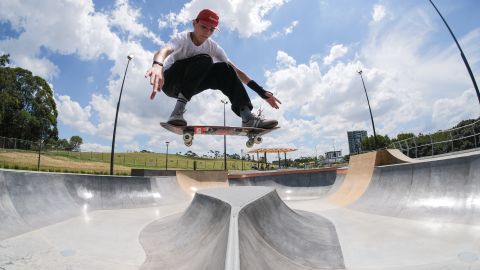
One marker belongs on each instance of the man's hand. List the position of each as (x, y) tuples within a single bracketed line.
[(272, 100), (156, 79)]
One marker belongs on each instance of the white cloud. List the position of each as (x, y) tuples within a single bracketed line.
[(450, 111), (80, 30), (285, 31), (336, 52), (285, 60), (408, 85), (409, 90), (247, 17), (94, 147), (77, 29), (126, 17), (416, 76), (379, 12), (289, 29), (89, 34), (72, 114)]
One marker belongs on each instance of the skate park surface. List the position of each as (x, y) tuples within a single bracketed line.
[(385, 211)]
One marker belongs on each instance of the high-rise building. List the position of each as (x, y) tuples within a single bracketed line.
[(355, 140)]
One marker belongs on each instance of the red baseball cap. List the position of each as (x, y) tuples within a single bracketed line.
[(208, 17)]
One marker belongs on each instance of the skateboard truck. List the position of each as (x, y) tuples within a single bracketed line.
[(253, 139)]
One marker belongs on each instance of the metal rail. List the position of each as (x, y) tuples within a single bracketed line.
[(441, 142)]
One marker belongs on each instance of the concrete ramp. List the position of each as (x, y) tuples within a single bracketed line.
[(195, 240), (446, 190), (358, 178), (245, 228), (360, 173), (395, 156), (339, 179), (192, 181), (286, 239), (31, 200), (291, 184)]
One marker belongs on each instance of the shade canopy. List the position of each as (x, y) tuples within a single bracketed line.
[(272, 150)]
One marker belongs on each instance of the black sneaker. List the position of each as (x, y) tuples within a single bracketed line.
[(176, 119), (257, 122)]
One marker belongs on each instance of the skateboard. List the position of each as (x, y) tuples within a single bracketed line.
[(254, 135)]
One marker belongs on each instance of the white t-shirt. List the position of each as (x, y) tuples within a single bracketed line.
[(183, 47)]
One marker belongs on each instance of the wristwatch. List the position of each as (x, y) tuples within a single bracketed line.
[(158, 63)]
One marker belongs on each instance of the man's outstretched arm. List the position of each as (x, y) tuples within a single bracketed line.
[(156, 71), (266, 95)]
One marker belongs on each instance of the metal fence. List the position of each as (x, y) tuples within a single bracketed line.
[(37, 150), (442, 142)]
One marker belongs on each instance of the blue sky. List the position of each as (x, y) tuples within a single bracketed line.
[(306, 52)]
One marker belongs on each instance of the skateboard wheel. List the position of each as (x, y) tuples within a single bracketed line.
[(258, 140), (250, 143), (187, 137)]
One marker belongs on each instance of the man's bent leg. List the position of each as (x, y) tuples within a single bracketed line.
[(176, 117), (182, 81), (222, 76)]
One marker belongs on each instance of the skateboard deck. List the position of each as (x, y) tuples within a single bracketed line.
[(254, 134)]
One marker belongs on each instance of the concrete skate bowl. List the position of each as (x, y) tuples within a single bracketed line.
[(30, 200), (241, 228), (293, 184), (361, 222)]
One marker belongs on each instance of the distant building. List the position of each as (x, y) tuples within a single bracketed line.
[(355, 140), (333, 156)]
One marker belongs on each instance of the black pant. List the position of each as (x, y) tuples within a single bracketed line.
[(195, 74)]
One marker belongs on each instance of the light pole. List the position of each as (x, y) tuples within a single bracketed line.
[(225, 102), (166, 157), (112, 154), (461, 53), (242, 158), (370, 109)]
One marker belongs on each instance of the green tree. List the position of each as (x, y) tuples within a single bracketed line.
[(403, 136), (63, 144), (369, 143), (191, 154), (27, 107), (75, 143), (4, 60)]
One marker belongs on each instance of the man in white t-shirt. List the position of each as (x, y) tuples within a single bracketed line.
[(192, 62)]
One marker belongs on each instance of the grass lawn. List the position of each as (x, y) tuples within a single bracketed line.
[(99, 163)]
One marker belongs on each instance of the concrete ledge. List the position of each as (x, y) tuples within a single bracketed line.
[(237, 175)]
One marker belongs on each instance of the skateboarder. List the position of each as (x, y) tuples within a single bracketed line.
[(192, 62)]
